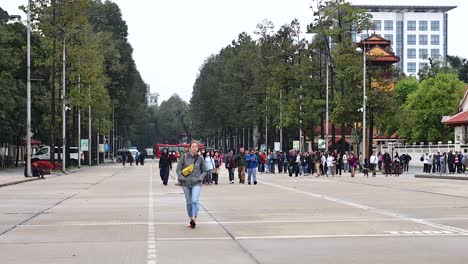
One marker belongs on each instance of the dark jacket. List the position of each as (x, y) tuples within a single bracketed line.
[(240, 161), (226, 161), (165, 161)]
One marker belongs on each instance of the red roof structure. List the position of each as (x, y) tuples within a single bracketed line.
[(460, 118), (377, 52)]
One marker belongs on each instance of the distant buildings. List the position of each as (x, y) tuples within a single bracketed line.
[(417, 33), (152, 98)]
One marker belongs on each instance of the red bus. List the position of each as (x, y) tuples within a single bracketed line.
[(174, 148)]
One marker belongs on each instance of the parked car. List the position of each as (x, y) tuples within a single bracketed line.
[(149, 153), (44, 154)]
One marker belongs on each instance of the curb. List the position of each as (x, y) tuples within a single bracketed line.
[(442, 177), (18, 182), (36, 178)]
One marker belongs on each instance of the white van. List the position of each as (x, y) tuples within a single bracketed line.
[(44, 154), (149, 153)]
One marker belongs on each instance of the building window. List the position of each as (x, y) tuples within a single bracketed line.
[(388, 25), (435, 25), (411, 53), (411, 40), (411, 25), (389, 37), (378, 24), (422, 25), (423, 54), (422, 65), (435, 53), (435, 40), (422, 39), (411, 67)]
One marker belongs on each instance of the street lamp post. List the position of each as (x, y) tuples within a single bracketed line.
[(364, 97), (28, 88), (64, 106)]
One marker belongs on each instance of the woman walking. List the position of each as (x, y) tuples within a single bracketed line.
[(165, 165), (209, 168), (191, 170), (217, 166), (353, 163)]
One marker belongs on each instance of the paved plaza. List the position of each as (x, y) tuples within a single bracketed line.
[(115, 214)]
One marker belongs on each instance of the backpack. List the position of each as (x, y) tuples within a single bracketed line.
[(422, 158)]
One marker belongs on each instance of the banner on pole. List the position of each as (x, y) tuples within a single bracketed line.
[(84, 145), (296, 144), (321, 144), (277, 146)]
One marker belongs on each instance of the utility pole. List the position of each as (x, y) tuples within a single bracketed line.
[(89, 131), (281, 119), (79, 125), (28, 87), (64, 107)]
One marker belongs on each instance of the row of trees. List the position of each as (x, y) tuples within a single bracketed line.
[(277, 82), (100, 72)]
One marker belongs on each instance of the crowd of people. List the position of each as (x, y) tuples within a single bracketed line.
[(445, 162)]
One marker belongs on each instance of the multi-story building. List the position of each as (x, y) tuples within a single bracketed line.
[(417, 33)]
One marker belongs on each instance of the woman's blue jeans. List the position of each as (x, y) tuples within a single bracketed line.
[(191, 198)]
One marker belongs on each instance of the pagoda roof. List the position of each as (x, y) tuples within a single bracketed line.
[(375, 40), (377, 53)]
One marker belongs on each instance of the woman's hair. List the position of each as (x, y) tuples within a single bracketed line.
[(193, 142)]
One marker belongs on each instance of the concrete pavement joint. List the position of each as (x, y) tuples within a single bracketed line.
[(232, 236), (372, 209), (151, 251), (402, 189), (69, 197)]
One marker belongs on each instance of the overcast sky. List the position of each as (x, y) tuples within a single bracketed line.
[(171, 39)]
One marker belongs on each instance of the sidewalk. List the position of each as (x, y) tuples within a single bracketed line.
[(13, 176)]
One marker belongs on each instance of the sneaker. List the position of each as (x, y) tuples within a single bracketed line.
[(249, 183), (192, 224), (255, 183), (232, 182)]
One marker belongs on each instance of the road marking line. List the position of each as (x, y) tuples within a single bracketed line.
[(307, 236), (151, 257), (243, 222), (372, 209)]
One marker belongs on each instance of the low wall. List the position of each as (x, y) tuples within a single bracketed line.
[(416, 151)]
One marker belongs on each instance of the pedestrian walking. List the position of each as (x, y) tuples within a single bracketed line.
[(252, 161), (124, 158), (241, 163), (345, 159), (217, 166), (209, 168), (191, 170), (373, 162), (137, 158), (143, 157), (353, 163), (230, 165), (165, 165), (130, 158)]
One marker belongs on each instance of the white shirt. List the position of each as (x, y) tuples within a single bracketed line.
[(330, 160), (373, 159), (209, 163)]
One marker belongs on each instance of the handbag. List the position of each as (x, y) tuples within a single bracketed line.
[(190, 168)]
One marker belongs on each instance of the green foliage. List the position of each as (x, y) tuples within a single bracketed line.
[(422, 113)]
